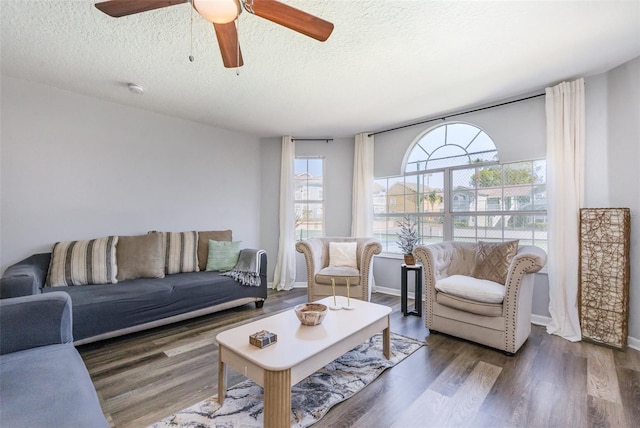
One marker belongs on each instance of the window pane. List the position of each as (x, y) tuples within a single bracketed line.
[(463, 197), (519, 227), (487, 177), (308, 195), (431, 229), (448, 156), (433, 139), (308, 220), (540, 171), (482, 149), (489, 227), (540, 197), (385, 230), (395, 195), (517, 198), (380, 196), (461, 134), (464, 228)]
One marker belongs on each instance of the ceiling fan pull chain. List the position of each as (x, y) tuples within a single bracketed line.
[(248, 6), (191, 37), (238, 46)]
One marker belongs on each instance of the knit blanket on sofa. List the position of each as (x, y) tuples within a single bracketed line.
[(247, 269)]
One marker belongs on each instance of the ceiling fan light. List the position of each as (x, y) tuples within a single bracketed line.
[(218, 11)]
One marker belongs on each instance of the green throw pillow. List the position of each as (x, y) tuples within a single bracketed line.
[(223, 255)]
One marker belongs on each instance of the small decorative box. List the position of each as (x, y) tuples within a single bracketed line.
[(263, 339)]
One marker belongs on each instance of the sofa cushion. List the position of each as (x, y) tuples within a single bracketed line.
[(479, 290), (203, 244), (180, 252), (99, 310), (493, 260), (343, 254), (471, 307), (83, 262), (48, 386), (140, 256), (223, 255), (340, 274)]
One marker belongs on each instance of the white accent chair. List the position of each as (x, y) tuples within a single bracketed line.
[(501, 322), (319, 271)]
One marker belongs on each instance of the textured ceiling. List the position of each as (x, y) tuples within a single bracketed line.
[(386, 63)]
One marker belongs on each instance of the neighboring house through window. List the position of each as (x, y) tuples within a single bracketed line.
[(309, 197), (454, 185)]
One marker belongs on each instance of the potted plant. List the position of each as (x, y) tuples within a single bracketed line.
[(408, 238)]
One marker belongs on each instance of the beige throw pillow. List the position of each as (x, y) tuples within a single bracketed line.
[(343, 254), (180, 252), (203, 244), (140, 256), (83, 262), (493, 260)]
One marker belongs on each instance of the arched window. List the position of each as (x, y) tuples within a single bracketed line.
[(450, 145), (455, 188)]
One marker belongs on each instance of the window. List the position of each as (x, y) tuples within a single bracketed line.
[(456, 188), (309, 197)]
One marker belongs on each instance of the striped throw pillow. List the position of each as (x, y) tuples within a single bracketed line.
[(83, 262), (181, 252)]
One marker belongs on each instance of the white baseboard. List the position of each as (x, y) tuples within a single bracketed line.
[(633, 343), (295, 284), (386, 290), (392, 291), (540, 320)]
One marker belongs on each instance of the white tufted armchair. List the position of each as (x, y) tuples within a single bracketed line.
[(505, 322), (319, 273)]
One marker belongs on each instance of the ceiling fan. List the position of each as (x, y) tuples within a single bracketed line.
[(223, 14)]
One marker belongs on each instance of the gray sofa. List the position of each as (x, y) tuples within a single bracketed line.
[(109, 310), (44, 382)]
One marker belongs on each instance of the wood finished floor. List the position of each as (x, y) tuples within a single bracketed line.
[(144, 377)]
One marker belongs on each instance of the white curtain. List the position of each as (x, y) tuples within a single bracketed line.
[(285, 271), (565, 195), (362, 197), (362, 200)]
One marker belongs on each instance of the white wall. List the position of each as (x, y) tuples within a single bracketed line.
[(517, 130), (613, 157), (75, 167)]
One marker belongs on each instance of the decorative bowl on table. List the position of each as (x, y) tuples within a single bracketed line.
[(311, 313)]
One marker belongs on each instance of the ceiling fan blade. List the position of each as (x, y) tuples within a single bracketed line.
[(291, 18), (227, 35), (118, 8)]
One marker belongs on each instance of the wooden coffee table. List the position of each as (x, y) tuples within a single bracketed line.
[(300, 350)]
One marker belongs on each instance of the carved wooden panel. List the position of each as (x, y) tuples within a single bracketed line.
[(604, 275)]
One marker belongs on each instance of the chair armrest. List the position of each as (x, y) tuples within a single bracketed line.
[(535, 257), (32, 321), (313, 250), (26, 277), (427, 256), (370, 248), (528, 260)]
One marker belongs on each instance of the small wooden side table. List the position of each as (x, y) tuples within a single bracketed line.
[(417, 269)]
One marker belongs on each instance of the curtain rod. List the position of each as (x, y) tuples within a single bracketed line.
[(326, 140), (454, 114)]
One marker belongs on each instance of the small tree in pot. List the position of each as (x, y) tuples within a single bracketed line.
[(408, 238)]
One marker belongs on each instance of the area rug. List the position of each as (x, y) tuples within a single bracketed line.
[(311, 398)]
